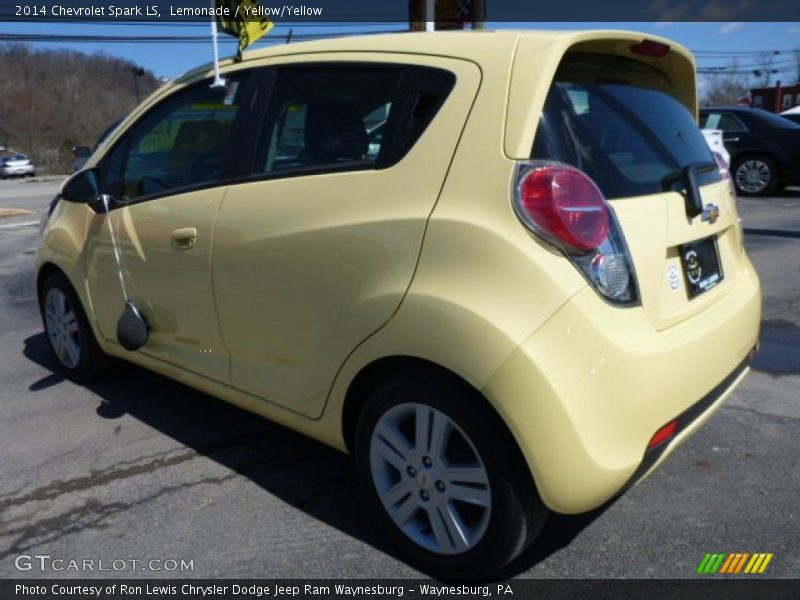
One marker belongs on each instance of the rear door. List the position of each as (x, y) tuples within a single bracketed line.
[(734, 132), (620, 121), (315, 250)]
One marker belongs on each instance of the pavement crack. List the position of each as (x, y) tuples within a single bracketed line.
[(99, 477), (93, 514), (124, 470)]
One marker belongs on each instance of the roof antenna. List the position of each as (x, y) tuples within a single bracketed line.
[(218, 81), (430, 15)]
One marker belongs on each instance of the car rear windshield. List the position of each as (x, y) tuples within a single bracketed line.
[(615, 119)]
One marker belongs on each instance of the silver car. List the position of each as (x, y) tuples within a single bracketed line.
[(17, 165)]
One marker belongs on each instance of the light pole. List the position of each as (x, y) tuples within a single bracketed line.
[(137, 72)]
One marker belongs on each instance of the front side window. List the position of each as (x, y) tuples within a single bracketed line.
[(182, 143)]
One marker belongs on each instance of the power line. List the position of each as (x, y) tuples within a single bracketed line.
[(159, 39)]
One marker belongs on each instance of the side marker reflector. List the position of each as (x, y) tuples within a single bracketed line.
[(663, 434)]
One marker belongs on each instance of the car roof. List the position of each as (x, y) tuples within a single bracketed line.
[(478, 46)]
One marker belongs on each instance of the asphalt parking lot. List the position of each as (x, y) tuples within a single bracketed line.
[(138, 468)]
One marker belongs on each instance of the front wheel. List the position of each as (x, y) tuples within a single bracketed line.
[(67, 328), (444, 478), (755, 175)]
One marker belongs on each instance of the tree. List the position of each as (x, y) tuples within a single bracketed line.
[(726, 87), (52, 100)]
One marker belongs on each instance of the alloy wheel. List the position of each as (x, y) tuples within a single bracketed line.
[(753, 176), (430, 478), (62, 328)]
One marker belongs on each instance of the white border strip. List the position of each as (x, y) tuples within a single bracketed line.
[(25, 224)]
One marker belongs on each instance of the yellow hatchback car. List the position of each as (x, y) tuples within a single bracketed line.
[(502, 269)]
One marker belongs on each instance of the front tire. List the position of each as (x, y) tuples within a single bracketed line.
[(755, 175), (69, 332), (444, 478)]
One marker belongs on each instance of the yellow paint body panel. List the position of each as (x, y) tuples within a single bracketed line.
[(172, 286), (296, 285), (306, 268), (587, 391)]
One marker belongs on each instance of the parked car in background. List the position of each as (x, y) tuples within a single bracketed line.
[(16, 165), (519, 295), (715, 141), (793, 114), (764, 147)]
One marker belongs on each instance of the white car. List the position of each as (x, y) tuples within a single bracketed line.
[(16, 165), (715, 142), (793, 114)]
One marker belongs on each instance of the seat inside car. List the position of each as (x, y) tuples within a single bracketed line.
[(198, 151), (334, 132)]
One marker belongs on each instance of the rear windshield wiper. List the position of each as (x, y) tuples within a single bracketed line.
[(688, 176)]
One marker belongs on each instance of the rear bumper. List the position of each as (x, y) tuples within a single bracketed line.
[(11, 171), (584, 395), (690, 421)]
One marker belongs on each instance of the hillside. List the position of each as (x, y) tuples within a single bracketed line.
[(52, 100)]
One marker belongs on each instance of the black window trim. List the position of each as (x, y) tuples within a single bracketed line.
[(259, 92), (412, 78)]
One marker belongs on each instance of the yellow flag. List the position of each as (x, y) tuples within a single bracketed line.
[(245, 21)]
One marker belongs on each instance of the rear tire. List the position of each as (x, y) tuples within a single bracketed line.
[(69, 332), (755, 175), (443, 476)]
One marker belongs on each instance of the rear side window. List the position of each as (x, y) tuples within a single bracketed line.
[(614, 119), (723, 121), (347, 117)]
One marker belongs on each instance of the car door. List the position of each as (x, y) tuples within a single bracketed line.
[(315, 251), (734, 132), (166, 178)]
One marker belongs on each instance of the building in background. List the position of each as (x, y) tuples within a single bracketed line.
[(776, 99)]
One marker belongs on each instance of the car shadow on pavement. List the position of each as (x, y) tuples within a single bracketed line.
[(296, 469), (788, 193)]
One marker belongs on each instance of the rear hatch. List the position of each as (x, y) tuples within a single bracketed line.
[(627, 120)]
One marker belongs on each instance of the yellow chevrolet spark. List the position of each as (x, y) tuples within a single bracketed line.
[(502, 269)]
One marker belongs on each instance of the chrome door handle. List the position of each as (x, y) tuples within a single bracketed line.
[(736, 139), (184, 238)]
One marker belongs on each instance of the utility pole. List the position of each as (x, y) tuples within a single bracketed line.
[(137, 72)]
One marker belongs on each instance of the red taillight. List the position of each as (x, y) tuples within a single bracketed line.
[(650, 48), (724, 170), (663, 434), (565, 204)]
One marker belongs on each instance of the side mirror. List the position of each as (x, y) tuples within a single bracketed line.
[(82, 151), (82, 187)]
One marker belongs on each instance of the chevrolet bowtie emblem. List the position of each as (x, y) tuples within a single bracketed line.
[(710, 213)]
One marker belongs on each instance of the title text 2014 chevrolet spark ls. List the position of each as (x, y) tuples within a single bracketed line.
[(520, 296)]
